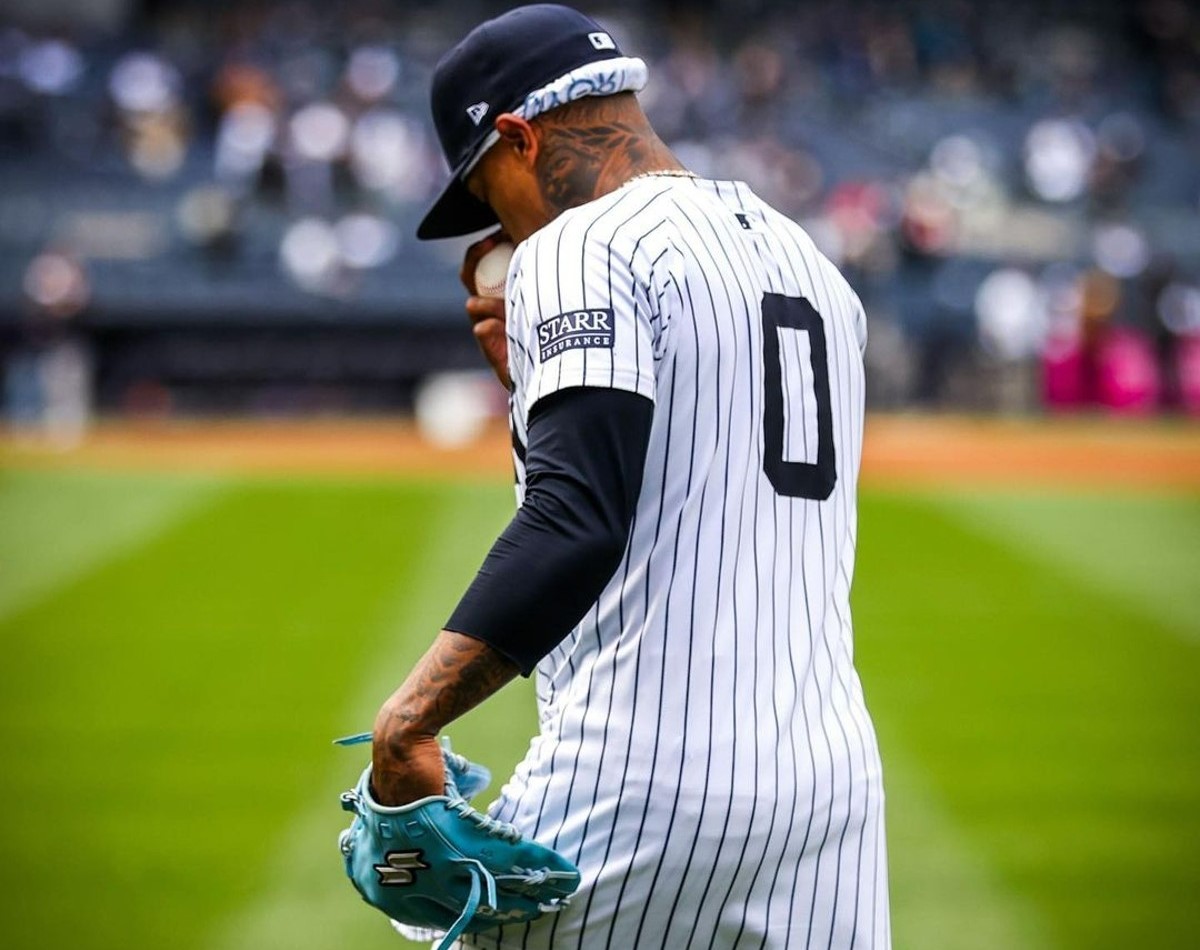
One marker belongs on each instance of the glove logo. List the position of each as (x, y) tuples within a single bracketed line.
[(400, 867)]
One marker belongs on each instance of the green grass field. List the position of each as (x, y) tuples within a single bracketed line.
[(179, 650)]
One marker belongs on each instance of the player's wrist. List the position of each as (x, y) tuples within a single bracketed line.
[(399, 730)]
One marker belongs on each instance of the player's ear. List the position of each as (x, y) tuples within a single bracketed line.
[(519, 136)]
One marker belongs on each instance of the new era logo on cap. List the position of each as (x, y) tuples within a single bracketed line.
[(602, 41), (477, 112)]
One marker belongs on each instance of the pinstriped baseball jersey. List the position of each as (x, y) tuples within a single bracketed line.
[(705, 755)]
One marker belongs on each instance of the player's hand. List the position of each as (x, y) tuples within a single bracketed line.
[(487, 323), (486, 313), (405, 767)]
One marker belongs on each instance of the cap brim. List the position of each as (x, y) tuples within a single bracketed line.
[(456, 212)]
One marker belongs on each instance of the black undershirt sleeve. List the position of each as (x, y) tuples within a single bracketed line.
[(583, 473)]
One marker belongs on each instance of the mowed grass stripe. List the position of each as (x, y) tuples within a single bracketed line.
[(56, 525), (304, 901), (1056, 722), (159, 716), (1142, 549), (945, 893)]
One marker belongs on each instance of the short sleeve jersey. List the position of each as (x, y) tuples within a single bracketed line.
[(707, 704)]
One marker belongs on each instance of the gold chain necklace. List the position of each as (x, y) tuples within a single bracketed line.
[(663, 173)]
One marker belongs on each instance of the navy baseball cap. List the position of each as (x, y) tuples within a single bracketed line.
[(525, 61)]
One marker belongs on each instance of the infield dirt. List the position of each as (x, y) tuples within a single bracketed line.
[(898, 450)]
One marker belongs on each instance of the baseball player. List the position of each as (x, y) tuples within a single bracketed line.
[(686, 386)]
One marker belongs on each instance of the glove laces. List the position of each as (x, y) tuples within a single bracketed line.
[(483, 887), (481, 880), (493, 826)]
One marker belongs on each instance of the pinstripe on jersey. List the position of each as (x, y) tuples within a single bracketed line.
[(705, 755)]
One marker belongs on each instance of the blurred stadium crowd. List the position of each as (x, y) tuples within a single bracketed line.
[(209, 206)]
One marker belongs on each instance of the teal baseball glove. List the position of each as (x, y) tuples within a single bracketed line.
[(439, 863)]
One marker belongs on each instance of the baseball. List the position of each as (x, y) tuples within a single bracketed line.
[(491, 273)]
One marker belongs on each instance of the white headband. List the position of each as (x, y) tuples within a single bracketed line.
[(606, 77)]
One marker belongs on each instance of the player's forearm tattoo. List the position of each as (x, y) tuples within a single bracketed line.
[(455, 675), (590, 146)]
